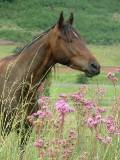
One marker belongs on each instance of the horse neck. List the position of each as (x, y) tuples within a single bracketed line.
[(36, 61)]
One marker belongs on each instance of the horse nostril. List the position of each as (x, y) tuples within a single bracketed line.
[(95, 66)]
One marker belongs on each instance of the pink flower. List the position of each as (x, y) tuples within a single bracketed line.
[(92, 122), (30, 118), (63, 107), (77, 97), (42, 101), (112, 126), (110, 120), (111, 129), (111, 76), (44, 108), (98, 118), (105, 140), (39, 143), (43, 114), (34, 114), (100, 110), (88, 104)]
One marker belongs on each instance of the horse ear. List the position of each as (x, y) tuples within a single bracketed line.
[(61, 20), (71, 19)]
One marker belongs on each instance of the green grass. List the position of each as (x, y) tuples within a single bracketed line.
[(97, 21), (6, 50), (76, 76), (69, 84), (107, 55), (9, 149)]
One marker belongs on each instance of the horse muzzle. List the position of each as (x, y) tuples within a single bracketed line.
[(93, 69)]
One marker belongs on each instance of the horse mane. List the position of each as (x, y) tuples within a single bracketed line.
[(19, 50)]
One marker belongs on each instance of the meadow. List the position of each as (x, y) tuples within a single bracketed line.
[(85, 144), (62, 83), (75, 130), (81, 120)]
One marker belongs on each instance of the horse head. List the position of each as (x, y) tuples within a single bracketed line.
[(68, 48)]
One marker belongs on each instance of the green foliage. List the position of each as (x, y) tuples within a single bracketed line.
[(6, 0), (97, 21)]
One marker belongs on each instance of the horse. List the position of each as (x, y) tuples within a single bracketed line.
[(21, 74)]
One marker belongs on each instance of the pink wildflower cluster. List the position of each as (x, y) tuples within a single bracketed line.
[(88, 104), (53, 147), (92, 122), (100, 110), (42, 113), (79, 98), (39, 143), (111, 76), (94, 116), (112, 126), (89, 112), (63, 107), (109, 123), (43, 101)]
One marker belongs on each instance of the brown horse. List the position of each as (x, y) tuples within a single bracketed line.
[(21, 74)]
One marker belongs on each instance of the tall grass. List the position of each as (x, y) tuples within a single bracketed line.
[(64, 130)]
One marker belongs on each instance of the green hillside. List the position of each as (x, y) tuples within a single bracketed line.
[(97, 21)]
